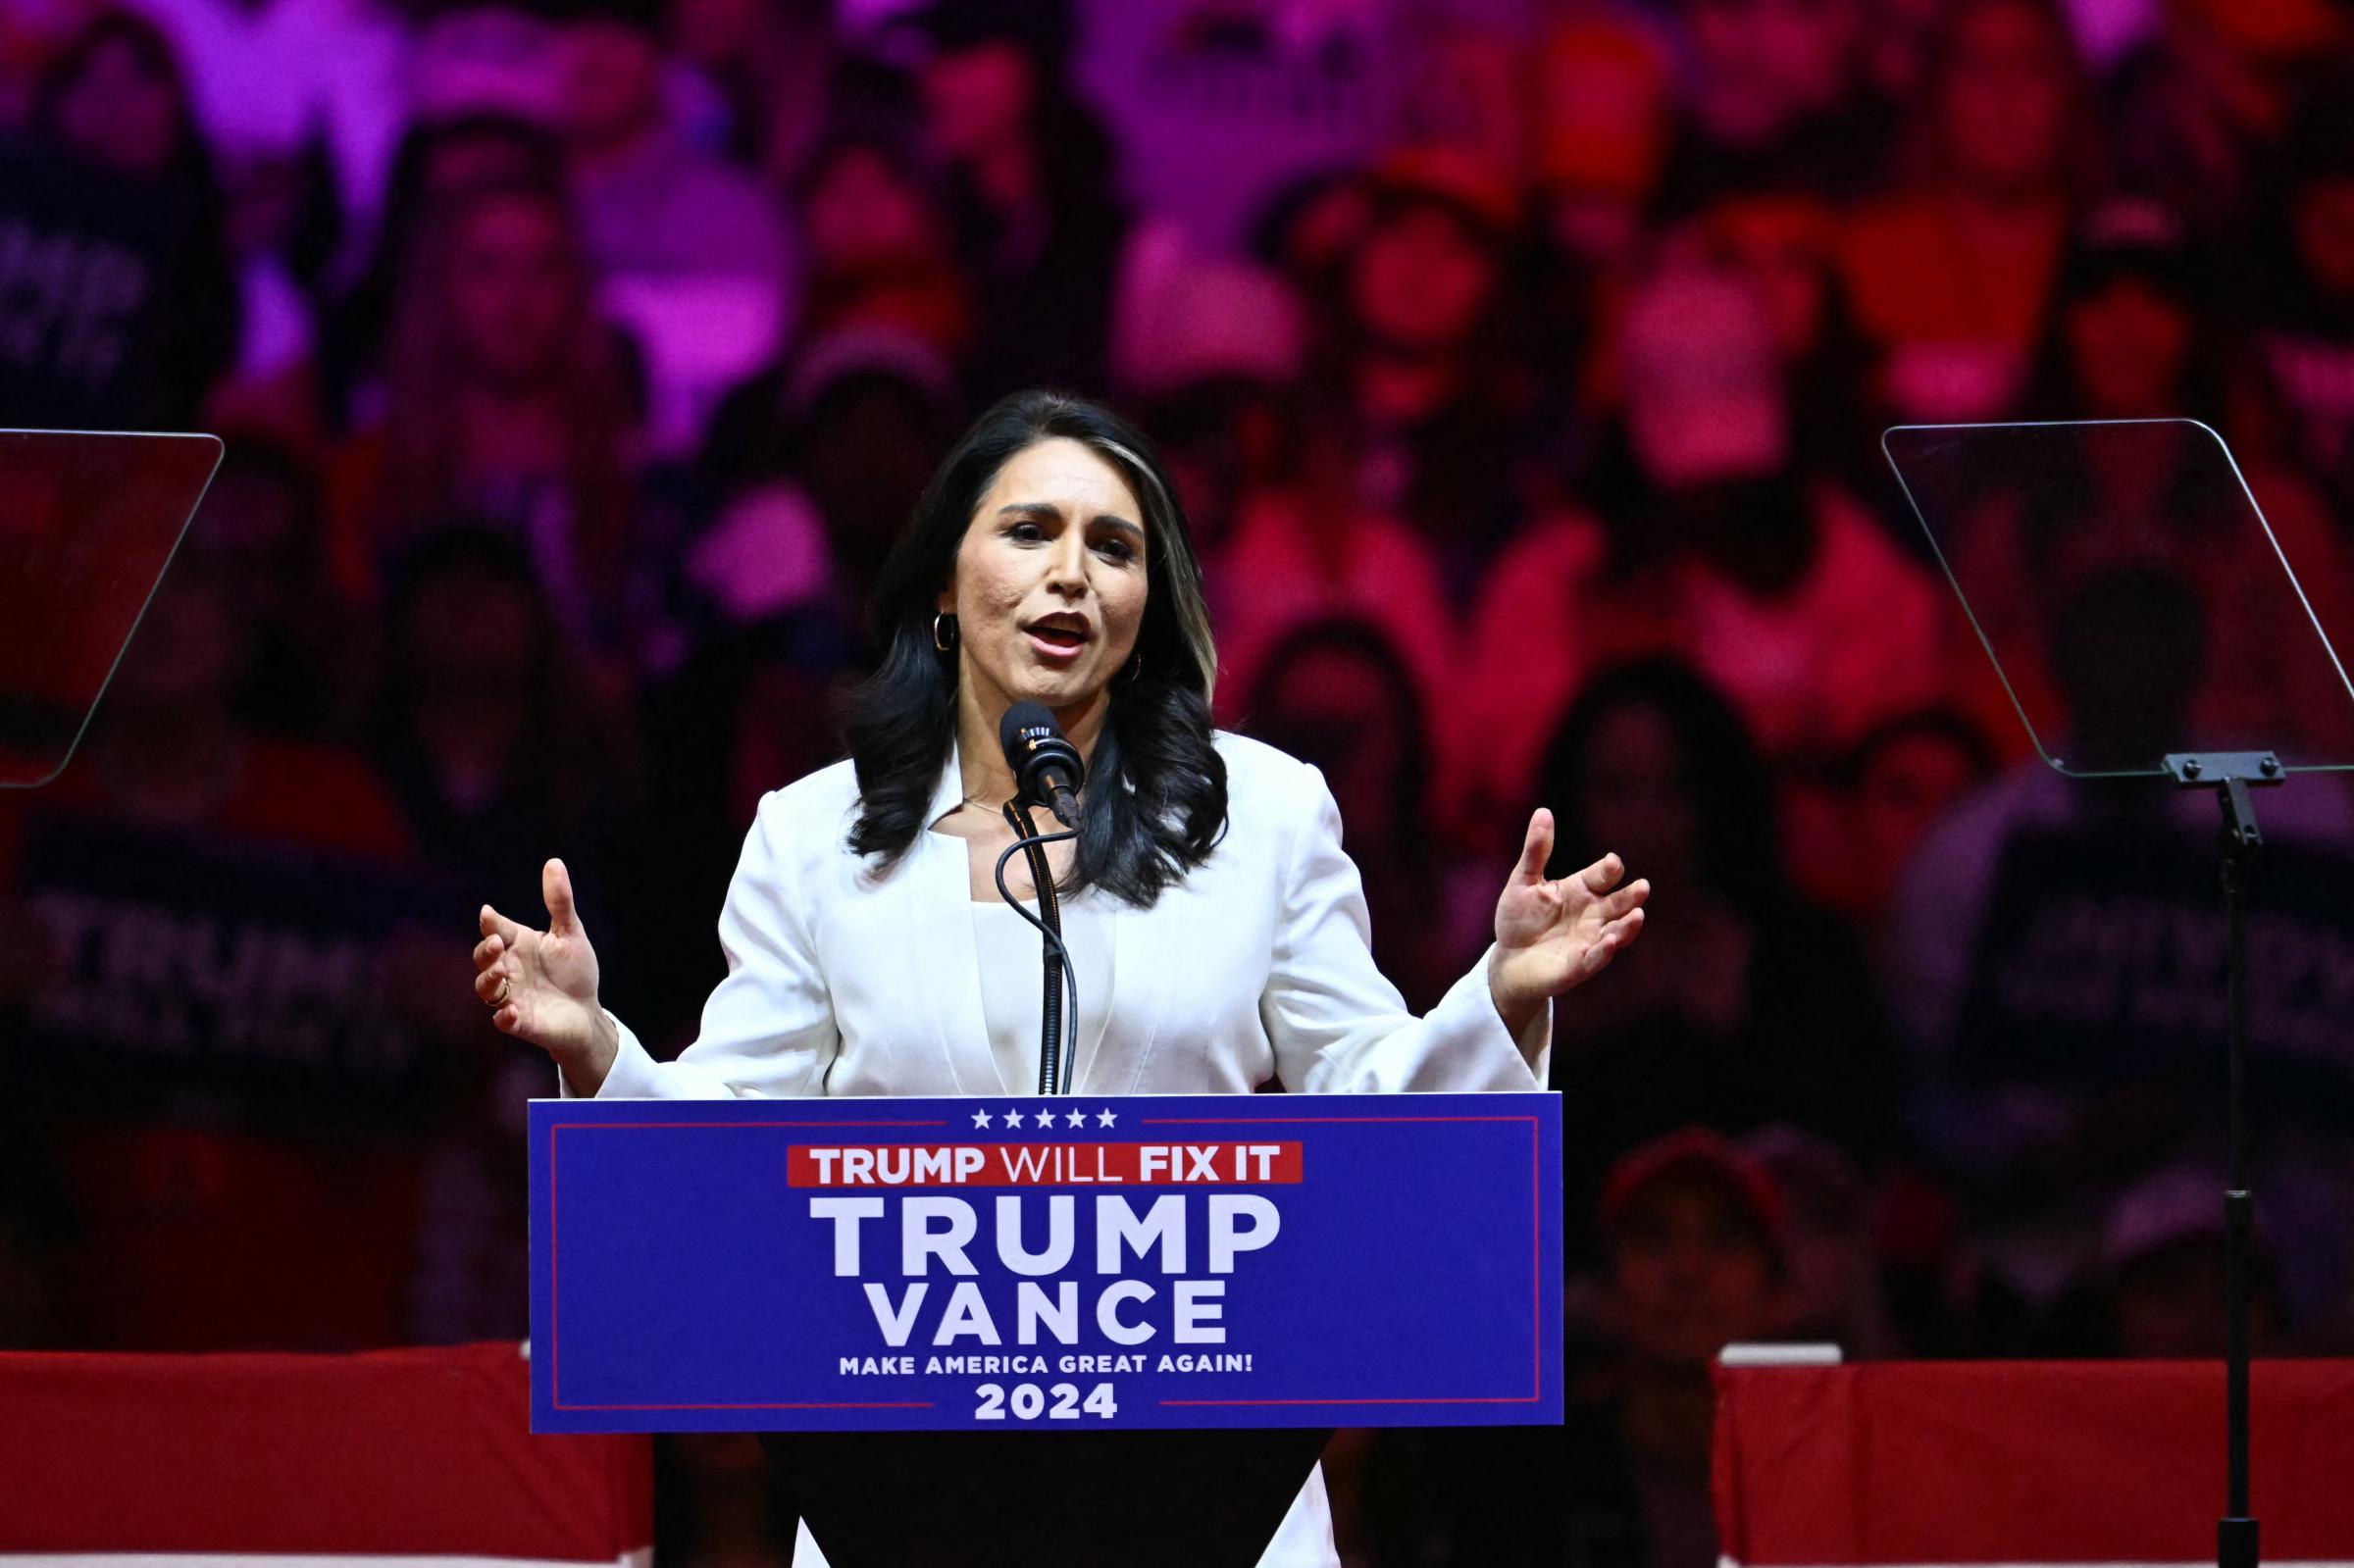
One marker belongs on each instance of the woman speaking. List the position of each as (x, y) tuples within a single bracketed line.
[(1216, 930)]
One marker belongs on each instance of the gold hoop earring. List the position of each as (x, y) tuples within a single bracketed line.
[(943, 631)]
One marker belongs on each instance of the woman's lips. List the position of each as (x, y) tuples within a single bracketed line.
[(1054, 651)]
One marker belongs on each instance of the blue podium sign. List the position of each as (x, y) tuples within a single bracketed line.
[(1081, 1264)]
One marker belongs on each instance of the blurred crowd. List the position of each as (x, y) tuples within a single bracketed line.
[(1523, 364)]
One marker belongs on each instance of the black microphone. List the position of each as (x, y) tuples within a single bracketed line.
[(1046, 767)]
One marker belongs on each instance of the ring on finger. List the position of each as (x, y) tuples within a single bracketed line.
[(505, 990)]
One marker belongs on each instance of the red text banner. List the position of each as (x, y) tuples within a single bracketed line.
[(915, 1165)]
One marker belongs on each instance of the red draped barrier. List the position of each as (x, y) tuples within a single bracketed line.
[(420, 1455), (2024, 1463)]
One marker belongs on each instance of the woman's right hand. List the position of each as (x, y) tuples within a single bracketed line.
[(549, 979)]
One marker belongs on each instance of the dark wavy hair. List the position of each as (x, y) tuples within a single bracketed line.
[(1158, 738)]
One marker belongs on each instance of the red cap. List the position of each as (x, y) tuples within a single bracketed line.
[(1454, 177), (1697, 1151)]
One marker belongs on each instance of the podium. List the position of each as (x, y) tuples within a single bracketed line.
[(1030, 1330)]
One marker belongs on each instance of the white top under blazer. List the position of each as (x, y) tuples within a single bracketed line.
[(1258, 967)]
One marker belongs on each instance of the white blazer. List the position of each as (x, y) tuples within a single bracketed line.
[(1255, 967)]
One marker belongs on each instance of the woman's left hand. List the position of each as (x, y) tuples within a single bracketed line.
[(1552, 934)]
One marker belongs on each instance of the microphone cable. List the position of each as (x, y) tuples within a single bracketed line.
[(1058, 1024)]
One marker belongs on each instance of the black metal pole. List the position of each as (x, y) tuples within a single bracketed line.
[(2235, 1535), (1054, 1061)]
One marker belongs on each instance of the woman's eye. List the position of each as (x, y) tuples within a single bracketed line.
[(1026, 531), (1117, 550)]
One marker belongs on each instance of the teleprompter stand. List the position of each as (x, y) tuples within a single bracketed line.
[(2145, 620), (2232, 774)]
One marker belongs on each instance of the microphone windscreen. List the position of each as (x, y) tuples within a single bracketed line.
[(1031, 738)]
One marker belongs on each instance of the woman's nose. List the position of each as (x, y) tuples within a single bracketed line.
[(1066, 564)]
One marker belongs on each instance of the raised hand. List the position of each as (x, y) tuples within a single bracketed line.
[(542, 985), (1553, 933)]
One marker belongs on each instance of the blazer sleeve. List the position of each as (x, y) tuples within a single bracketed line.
[(768, 1027), (1337, 1024)]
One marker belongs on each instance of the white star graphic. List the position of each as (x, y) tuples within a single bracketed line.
[(1013, 1118), (1106, 1119), (1077, 1118), (980, 1118)]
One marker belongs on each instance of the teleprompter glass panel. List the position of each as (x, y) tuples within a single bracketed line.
[(88, 522), (2137, 594)]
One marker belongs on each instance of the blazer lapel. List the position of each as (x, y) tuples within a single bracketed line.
[(944, 971), (1144, 964)]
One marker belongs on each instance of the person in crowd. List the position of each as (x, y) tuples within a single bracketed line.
[(1694, 1246), (1707, 539), (1422, 402), (1301, 550), (506, 399), (2123, 338), (1787, 244), (479, 728), (650, 203), (1226, 438), (1215, 350), (263, 525), (692, 253), (2164, 1254), (438, 159), (1770, 1013), (1603, 117), (302, 103), (1605, 109), (2303, 297), (1038, 224), (1835, 1294), (1854, 836), (121, 302), (1775, 100), (1336, 693), (876, 231), (2154, 1291), (1950, 274), (813, 464), (2197, 112)]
